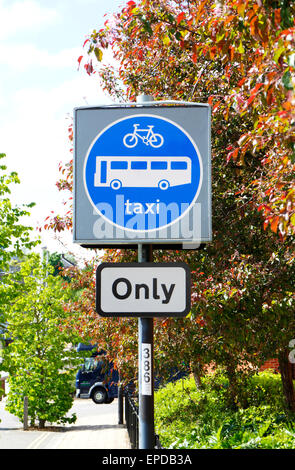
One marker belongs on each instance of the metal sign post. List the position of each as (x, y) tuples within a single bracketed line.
[(146, 360), (146, 368)]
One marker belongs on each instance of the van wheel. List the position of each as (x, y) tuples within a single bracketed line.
[(109, 400), (99, 396)]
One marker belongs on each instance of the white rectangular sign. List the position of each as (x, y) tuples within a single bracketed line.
[(143, 289), (146, 369)]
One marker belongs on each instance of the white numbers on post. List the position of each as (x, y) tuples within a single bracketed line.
[(146, 369)]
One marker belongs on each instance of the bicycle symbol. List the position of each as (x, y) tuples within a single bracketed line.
[(148, 137)]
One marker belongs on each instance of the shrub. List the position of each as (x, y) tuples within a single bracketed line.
[(189, 418)]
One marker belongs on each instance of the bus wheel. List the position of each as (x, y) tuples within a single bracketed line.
[(116, 184), (99, 395), (164, 184)]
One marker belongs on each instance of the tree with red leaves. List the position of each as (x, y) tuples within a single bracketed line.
[(238, 56)]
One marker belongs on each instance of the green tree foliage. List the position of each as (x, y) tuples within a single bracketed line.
[(41, 359), (56, 261), (14, 236)]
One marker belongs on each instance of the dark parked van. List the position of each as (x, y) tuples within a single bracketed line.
[(96, 379)]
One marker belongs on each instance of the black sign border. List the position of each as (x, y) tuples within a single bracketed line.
[(144, 314)]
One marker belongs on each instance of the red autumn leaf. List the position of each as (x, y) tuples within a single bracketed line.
[(79, 61), (212, 52), (231, 52), (180, 17), (287, 106), (242, 81), (282, 114), (256, 88), (194, 58), (274, 223), (266, 208), (89, 68), (233, 154), (277, 16), (287, 31), (249, 101), (216, 106), (210, 100), (253, 25)]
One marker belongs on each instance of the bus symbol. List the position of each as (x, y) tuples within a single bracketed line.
[(142, 172)]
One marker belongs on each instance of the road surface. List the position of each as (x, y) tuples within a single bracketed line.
[(96, 428)]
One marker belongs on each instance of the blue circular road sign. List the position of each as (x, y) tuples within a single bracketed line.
[(143, 172)]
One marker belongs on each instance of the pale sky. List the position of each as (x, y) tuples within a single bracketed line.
[(40, 42)]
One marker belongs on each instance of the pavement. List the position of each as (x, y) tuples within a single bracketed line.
[(96, 428)]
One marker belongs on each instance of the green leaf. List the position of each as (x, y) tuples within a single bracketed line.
[(287, 80), (166, 40), (147, 27), (241, 48), (278, 53), (98, 54)]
